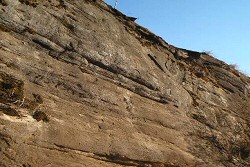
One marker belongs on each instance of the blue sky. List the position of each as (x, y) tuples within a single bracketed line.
[(220, 26)]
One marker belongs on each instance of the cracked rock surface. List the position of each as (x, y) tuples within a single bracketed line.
[(82, 84)]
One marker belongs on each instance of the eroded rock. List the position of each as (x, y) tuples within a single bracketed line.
[(86, 85)]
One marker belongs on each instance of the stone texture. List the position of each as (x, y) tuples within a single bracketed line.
[(81, 84)]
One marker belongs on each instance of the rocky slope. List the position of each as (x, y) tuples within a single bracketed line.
[(81, 84)]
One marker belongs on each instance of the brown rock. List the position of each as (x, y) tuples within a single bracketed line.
[(84, 85)]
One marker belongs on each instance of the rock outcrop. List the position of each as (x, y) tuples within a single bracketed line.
[(82, 84)]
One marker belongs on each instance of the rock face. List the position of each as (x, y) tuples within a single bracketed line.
[(81, 84)]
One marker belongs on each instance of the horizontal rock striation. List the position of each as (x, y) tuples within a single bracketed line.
[(82, 84)]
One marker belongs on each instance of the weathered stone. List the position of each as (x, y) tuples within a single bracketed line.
[(82, 84)]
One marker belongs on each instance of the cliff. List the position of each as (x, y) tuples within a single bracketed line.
[(82, 84)]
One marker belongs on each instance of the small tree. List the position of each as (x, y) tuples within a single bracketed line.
[(208, 52)]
